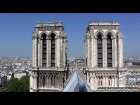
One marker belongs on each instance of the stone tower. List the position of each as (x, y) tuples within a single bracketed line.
[(104, 55), (49, 55)]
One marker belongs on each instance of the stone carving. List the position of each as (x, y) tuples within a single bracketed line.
[(110, 32), (34, 37), (50, 28), (106, 27), (120, 35)]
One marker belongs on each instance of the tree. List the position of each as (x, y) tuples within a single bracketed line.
[(18, 85), (24, 84), (13, 85)]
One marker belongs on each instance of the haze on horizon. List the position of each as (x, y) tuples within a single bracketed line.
[(16, 31)]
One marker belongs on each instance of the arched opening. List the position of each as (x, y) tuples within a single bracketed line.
[(98, 81), (99, 51), (44, 80), (52, 81), (40, 80), (109, 81), (44, 51), (86, 61), (52, 50), (109, 51)]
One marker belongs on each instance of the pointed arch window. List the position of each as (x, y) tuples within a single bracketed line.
[(99, 48), (44, 51), (52, 50), (109, 51)]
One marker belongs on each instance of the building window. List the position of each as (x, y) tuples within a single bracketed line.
[(44, 51), (99, 51), (101, 82), (52, 50), (109, 51), (52, 82), (43, 81)]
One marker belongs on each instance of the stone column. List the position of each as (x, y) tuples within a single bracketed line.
[(58, 83), (31, 82), (38, 44), (113, 84), (49, 53), (120, 47), (62, 56), (58, 52), (114, 52), (103, 81), (107, 81), (33, 52), (64, 50), (35, 81), (93, 49), (95, 53), (88, 78), (88, 52), (40, 53), (95, 82), (91, 82), (85, 50), (122, 52), (104, 50)]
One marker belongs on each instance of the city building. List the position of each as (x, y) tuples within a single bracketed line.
[(19, 75), (3, 78)]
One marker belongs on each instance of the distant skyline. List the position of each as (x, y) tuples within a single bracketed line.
[(16, 31)]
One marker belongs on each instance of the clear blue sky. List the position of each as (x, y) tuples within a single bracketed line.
[(16, 31)]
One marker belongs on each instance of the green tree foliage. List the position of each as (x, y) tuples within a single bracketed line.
[(24, 84), (18, 85)]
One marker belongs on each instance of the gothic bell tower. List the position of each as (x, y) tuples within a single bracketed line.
[(104, 55), (49, 55)]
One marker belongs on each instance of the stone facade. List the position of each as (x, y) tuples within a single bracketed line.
[(103, 66), (104, 76), (49, 44)]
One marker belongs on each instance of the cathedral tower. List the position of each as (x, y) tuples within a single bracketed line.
[(49, 55), (104, 55)]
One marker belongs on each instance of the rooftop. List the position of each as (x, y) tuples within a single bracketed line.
[(76, 83), (134, 67), (104, 23), (44, 24)]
